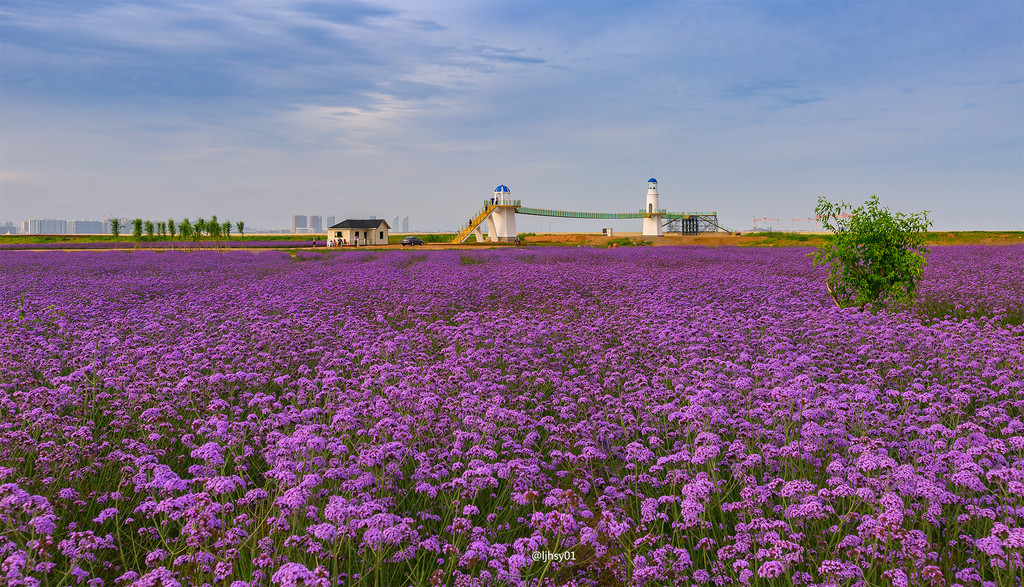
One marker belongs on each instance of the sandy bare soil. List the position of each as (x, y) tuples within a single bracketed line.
[(707, 240), (714, 239)]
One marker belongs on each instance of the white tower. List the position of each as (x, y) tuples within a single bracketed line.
[(501, 223), (652, 213)]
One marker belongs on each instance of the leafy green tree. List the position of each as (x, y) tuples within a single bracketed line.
[(137, 229), (161, 228), (241, 228), (150, 229), (225, 229), (185, 228), (171, 228), (213, 227), (115, 227), (198, 229), (874, 257)]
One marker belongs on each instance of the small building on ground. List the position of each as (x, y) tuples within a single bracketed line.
[(358, 232)]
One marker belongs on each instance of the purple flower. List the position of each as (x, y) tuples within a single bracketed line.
[(211, 452), (326, 532), (105, 515), (771, 569), (295, 574)]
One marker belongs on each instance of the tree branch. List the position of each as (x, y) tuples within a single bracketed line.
[(832, 293)]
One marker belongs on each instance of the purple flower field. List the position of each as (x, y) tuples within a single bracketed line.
[(644, 416)]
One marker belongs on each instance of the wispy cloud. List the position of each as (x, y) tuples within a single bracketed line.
[(773, 94), (360, 127), (345, 13), (233, 48)]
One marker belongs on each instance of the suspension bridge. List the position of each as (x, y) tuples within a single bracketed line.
[(498, 215)]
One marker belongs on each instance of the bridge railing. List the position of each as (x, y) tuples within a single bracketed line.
[(574, 214)]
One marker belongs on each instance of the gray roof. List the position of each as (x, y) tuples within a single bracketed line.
[(361, 223)]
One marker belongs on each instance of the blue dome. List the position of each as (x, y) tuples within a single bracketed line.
[(652, 180), (502, 189)]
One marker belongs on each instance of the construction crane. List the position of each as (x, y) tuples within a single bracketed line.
[(817, 219), (756, 220), (814, 220)]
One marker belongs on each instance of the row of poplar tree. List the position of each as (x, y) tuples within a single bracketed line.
[(186, 229)]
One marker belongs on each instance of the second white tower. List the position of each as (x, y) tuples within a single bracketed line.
[(652, 213)]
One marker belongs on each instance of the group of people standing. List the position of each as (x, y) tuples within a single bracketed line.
[(337, 242)]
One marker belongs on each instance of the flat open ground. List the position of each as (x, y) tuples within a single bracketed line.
[(774, 239)]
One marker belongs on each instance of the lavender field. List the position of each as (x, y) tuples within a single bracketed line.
[(651, 416)]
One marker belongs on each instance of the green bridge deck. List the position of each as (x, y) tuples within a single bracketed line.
[(607, 215)]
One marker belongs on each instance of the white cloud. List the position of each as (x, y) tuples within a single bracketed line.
[(366, 128)]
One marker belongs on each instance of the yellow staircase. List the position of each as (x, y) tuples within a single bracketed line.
[(468, 230)]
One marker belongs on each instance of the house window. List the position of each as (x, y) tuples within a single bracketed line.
[(357, 234), (382, 235)]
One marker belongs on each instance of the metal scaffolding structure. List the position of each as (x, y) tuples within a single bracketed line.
[(694, 223)]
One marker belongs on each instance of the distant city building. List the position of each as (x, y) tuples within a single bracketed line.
[(405, 224), (85, 227), (59, 226), (316, 223), (44, 226), (299, 223), (330, 221), (107, 228), (397, 224)]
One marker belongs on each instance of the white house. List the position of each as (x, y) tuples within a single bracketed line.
[(359, 232)]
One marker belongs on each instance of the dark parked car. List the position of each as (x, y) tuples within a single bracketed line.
[(411, 241)]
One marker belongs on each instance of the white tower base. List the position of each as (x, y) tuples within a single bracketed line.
[(501, 222), (505, 222), (492, 229), (652, 225), (501, 225)]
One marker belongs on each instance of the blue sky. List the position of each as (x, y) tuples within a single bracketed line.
[(260, 109)]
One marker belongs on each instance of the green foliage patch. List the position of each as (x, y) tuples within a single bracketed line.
[(443, 237), (874, 257), (626, 242), (786, 237)]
